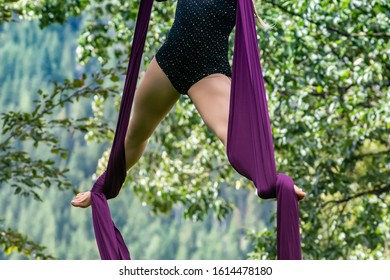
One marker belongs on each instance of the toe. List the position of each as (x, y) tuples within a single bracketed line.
[(81, 200)]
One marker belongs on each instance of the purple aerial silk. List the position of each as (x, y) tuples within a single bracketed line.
[(249, 143)]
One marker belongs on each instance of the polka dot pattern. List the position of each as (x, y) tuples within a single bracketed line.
[(197, 43)]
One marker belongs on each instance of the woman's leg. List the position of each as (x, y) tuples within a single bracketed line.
[(154, 98), (211, 97)]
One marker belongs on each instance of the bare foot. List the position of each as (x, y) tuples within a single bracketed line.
[(82, 200), (300, 194)]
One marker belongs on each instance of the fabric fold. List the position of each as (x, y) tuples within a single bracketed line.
[(108, 238), (249, 145)]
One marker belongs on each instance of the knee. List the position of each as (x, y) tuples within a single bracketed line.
[(132, 140)]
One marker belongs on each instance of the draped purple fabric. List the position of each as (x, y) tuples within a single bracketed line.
[(109, 239), (249, 144)]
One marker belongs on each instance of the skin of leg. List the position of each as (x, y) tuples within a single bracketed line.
[(211, 97), (154, 98)]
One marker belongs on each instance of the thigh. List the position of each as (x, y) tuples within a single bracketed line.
[(211, 97), (154, 97)]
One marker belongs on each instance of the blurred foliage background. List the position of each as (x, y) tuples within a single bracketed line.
[(326, 67)]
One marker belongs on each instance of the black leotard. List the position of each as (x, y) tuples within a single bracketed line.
[(197, 43)]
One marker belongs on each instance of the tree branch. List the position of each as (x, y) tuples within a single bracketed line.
[(332, 28), (374, 191)]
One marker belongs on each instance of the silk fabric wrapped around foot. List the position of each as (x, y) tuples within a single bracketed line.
[(108, 238), (249, 146)]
